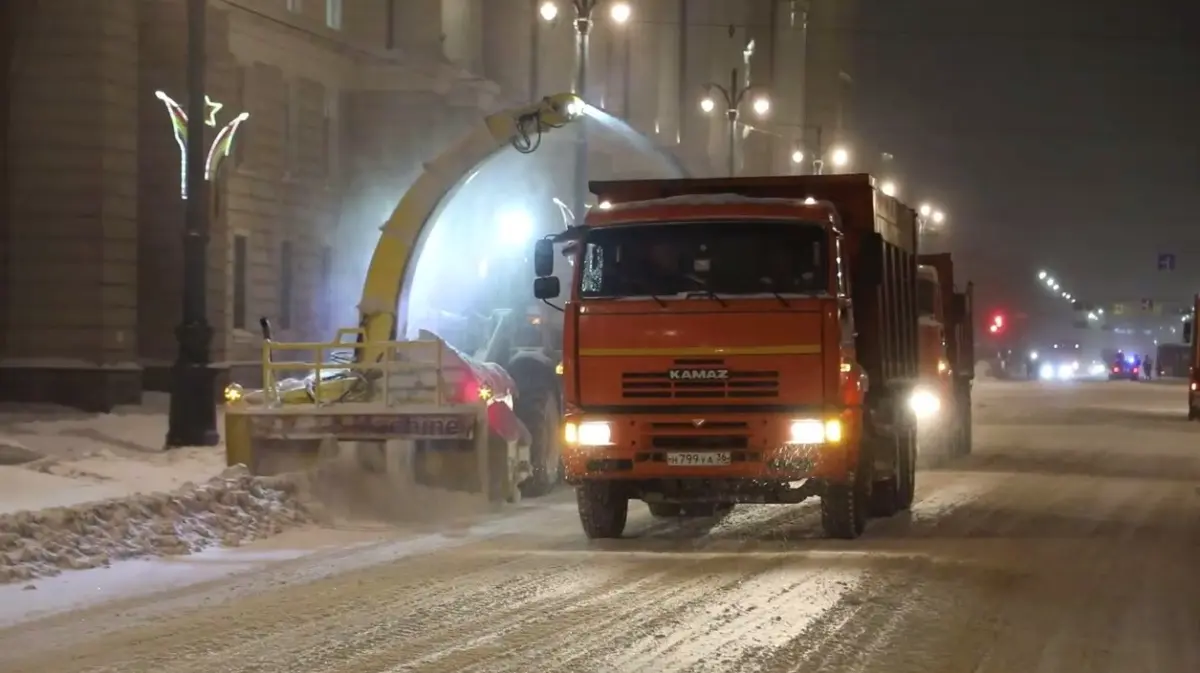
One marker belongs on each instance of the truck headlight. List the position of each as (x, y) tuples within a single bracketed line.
[(234, 393), (588, 433), (924, 403), (815, 431)]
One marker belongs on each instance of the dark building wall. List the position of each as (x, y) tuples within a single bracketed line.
[(71, 241)]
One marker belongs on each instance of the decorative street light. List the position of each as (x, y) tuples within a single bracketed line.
[(220, 147), (192, 419), (733, 96), (931, 218), (620, 13)]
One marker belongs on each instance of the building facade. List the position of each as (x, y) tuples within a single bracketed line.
[(345, 101)]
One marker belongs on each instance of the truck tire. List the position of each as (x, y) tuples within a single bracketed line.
[(537, 407), (603, 509), (844, 506)]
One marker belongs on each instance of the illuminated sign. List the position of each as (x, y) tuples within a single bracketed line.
[(221, 146)]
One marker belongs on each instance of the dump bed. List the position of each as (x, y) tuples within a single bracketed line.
[(957, 309), (886, 315)]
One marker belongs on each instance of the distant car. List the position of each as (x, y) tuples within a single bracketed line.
[(1125, 369), (1059, 369)]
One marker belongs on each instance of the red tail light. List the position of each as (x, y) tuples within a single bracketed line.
[(1116, 370)]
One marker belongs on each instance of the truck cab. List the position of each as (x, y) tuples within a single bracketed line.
[(739, 340)]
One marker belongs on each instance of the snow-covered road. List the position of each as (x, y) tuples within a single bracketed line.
[(1068, 543)]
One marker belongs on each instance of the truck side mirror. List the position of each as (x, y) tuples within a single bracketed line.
[(1188, 327), (870, 270), (543, 259), (546, 287)]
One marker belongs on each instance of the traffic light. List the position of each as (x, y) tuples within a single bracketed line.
[(998, 323)]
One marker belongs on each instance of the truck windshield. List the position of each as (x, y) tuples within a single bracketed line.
[(718, 257)]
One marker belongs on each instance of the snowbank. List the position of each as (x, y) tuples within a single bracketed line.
[(228, 510)]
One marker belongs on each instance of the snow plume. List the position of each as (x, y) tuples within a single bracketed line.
[(229, 510)]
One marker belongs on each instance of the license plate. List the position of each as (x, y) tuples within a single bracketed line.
[(705, 459)]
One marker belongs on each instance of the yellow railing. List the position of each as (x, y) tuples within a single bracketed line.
[(399, 357)]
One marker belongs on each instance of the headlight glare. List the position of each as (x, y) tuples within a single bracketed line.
[(924, 403), (814, 431), (588, 433)]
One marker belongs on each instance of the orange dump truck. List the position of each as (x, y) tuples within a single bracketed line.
[(747, 340), (943, 401)]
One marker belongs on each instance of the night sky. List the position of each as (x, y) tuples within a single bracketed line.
[(1059, 134)]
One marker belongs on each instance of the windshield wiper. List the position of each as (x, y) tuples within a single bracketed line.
[(770, 283), (705, 291)]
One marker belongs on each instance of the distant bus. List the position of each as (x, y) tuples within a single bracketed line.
[(1172, 360)]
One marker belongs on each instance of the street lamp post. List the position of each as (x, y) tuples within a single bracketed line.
[(192, 420), (839, 156), (620, 13), (931, 218), (734, 96)]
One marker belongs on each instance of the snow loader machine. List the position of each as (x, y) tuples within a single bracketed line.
[(483, 422), (740, 340)]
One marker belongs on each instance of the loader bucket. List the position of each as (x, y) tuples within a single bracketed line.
[(425, 415)]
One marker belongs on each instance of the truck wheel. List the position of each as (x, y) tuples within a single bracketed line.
[(665, 510), (844, 507), (537, 408), (603, 509)]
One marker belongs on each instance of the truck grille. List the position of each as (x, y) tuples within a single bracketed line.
[(739, 384)]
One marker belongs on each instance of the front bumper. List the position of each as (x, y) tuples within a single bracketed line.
[(643, 446)]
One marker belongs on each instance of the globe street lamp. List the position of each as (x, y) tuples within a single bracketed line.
[(733, 96), (840, 157)]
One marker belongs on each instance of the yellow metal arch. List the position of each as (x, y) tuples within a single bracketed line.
[(385, 288)]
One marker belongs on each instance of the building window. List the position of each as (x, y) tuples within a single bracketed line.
[(295, 6), (240, 252), (333, 14), (286, 279), (329, 132)]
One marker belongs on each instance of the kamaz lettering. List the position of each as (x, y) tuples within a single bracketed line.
[(698, 374)]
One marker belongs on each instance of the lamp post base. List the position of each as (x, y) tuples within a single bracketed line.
[(192, 419)]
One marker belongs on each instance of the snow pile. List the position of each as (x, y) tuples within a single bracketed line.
[(228, 510)]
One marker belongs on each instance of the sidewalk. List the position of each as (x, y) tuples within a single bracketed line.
[(51, 456)]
